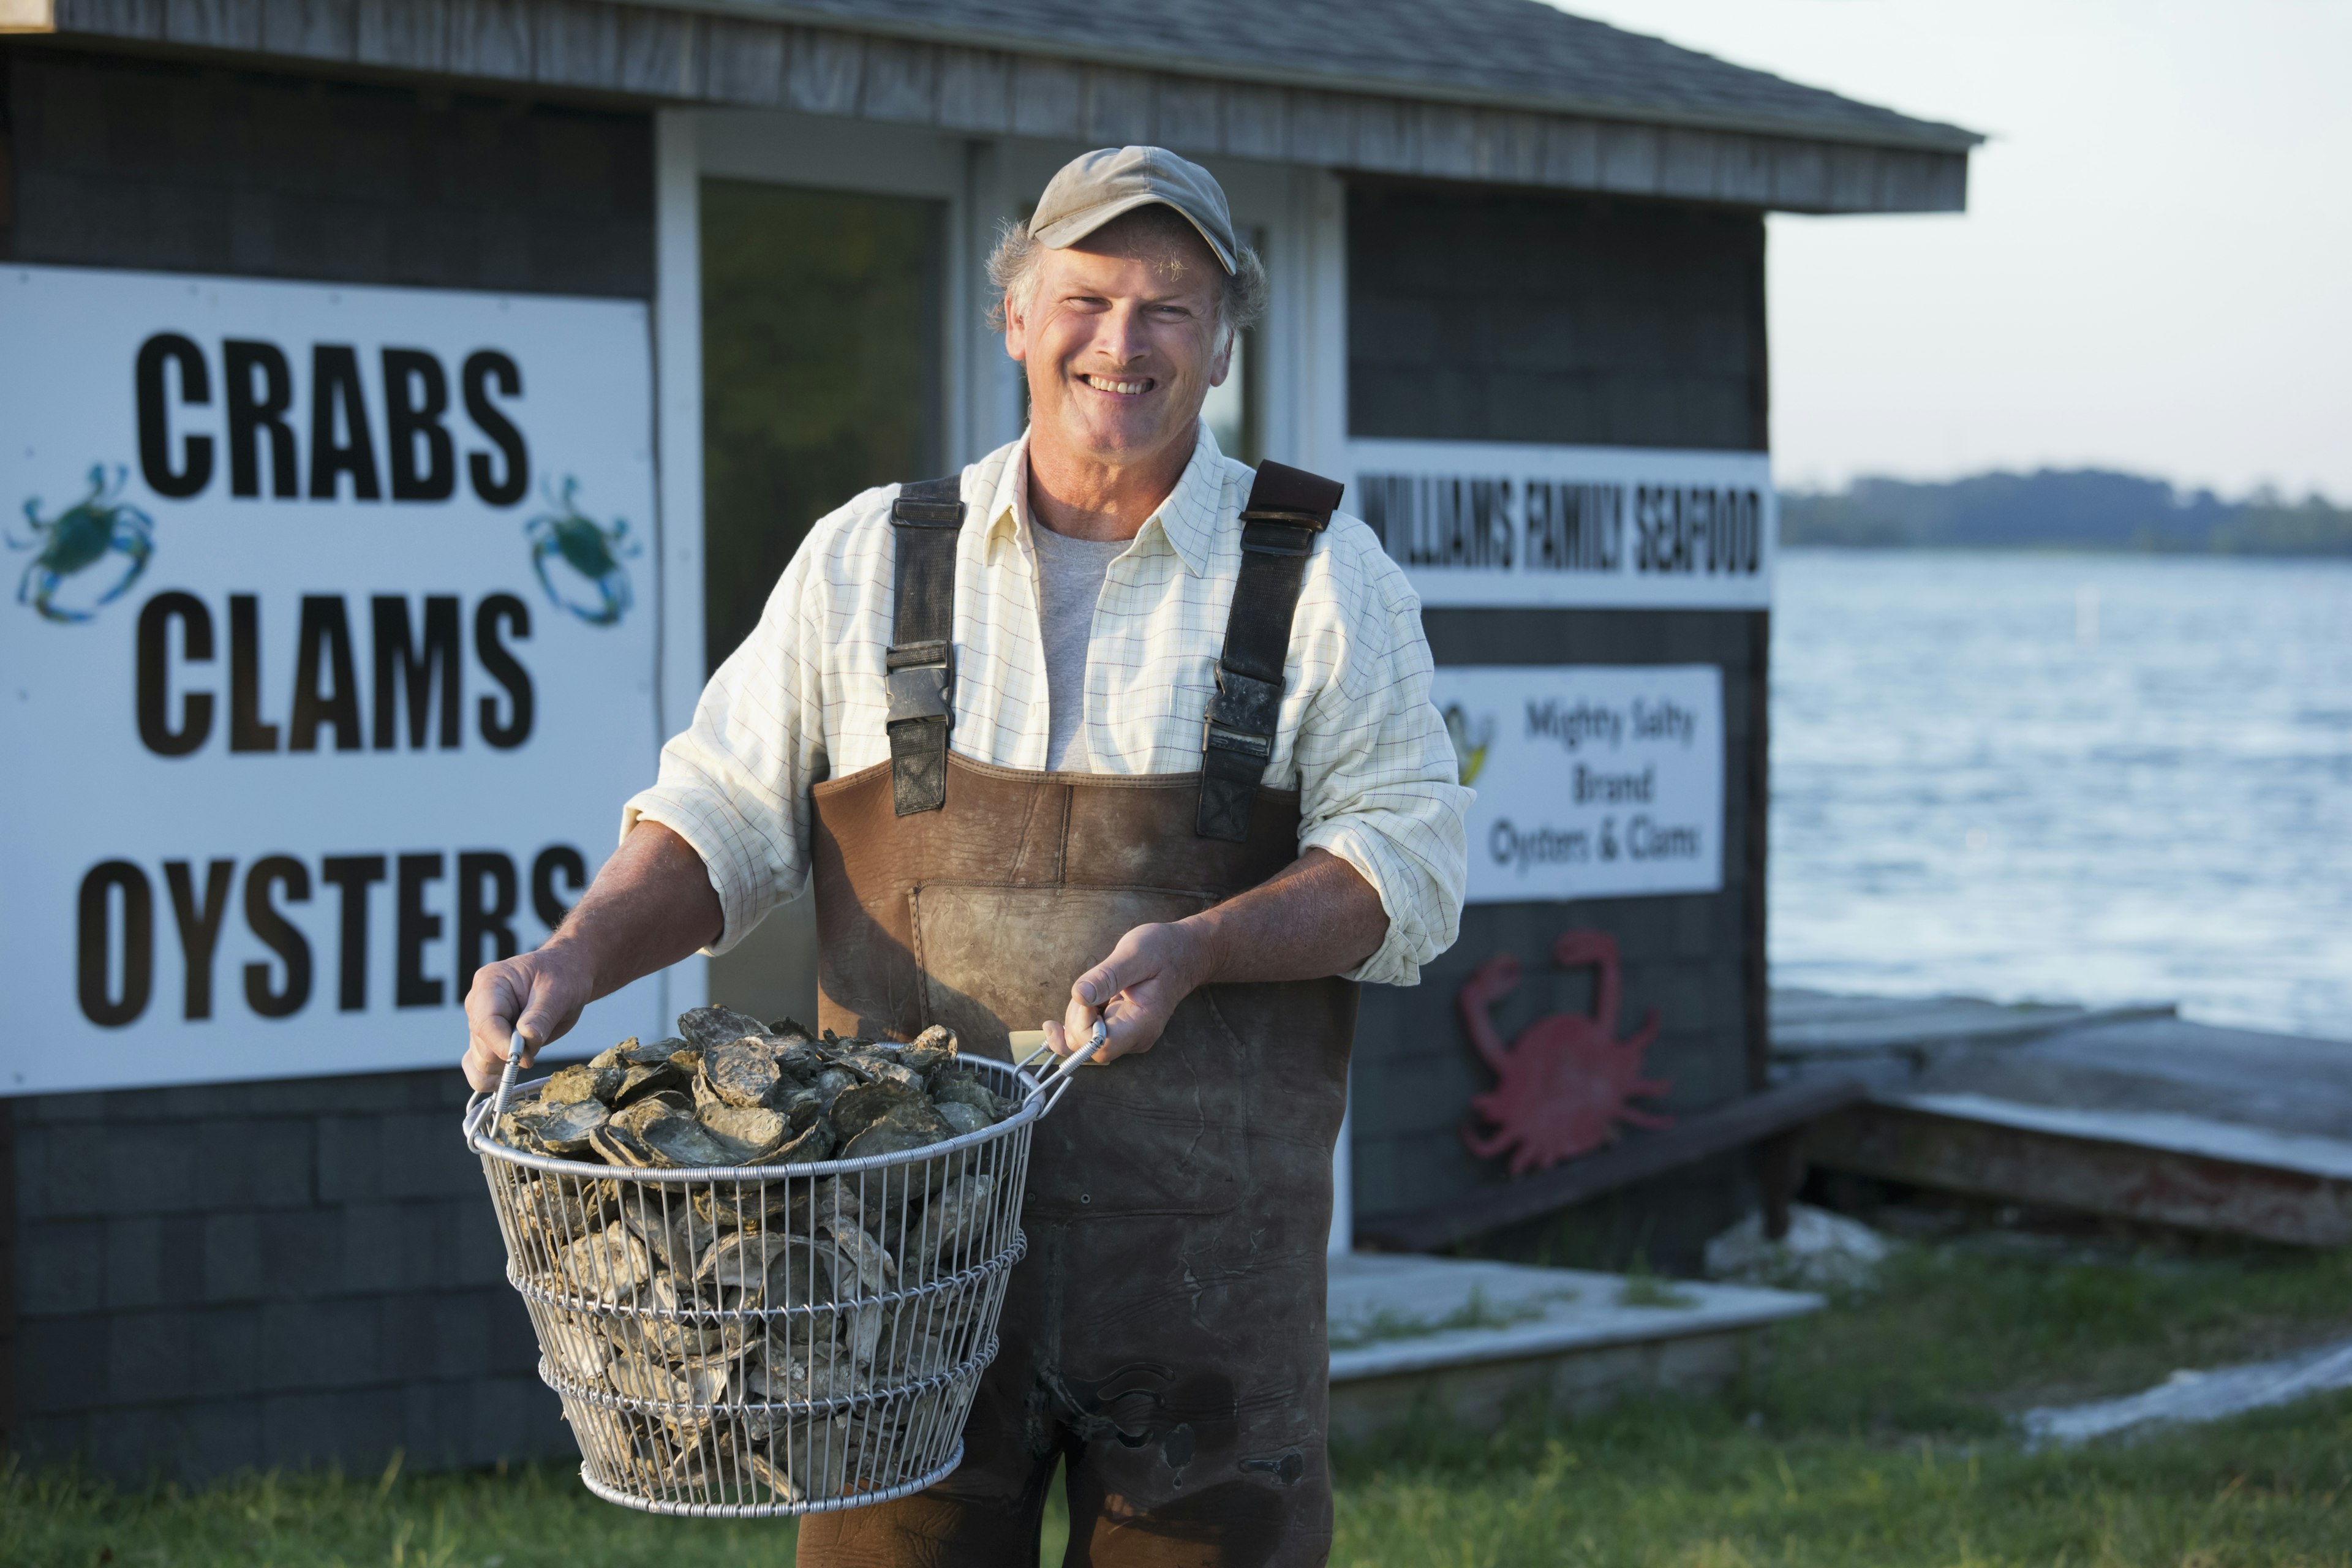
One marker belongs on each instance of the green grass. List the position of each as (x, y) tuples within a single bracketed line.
[(1873, 1434)]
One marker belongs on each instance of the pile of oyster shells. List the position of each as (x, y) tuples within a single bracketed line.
[(760, 1338), (730, 1090)]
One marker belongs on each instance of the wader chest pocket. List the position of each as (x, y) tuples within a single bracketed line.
[(1163, 1133)]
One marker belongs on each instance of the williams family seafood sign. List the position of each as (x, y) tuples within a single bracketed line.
[(330, 654), (1593, 781), (1491, 523)]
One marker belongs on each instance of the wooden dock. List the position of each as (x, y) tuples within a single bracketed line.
[(2132, 1112)]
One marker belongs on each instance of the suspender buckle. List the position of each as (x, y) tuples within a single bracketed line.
[(921, 678), (1244, 702)]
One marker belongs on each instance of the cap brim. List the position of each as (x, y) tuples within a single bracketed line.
[(1062, 233)]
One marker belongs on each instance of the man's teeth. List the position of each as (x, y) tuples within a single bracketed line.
[(1130, 388)]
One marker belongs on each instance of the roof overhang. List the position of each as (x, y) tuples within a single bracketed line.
[(987, 82)]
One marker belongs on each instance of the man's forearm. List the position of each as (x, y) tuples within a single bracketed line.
[(651, 905), (1316, 917)]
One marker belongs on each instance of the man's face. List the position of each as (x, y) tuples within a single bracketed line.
[(1120, 340)]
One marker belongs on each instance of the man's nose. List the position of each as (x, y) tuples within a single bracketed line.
[(1121, 335)]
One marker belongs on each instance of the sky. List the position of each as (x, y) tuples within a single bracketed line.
[(2155, 270)]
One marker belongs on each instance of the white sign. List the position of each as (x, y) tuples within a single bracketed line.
[(1489, 524), (1593, 781), (329, 661)]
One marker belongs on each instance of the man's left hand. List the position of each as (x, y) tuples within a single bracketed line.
[(1134, 990), (1317, 916)]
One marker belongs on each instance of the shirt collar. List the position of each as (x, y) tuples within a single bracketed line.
[(1188, 519)]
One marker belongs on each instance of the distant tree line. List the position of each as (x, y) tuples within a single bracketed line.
[(2076, 509)]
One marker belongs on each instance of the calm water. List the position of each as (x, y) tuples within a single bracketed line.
[(2071, 777)]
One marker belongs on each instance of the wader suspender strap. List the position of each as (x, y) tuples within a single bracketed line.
[(1287, 508), (924, 521)]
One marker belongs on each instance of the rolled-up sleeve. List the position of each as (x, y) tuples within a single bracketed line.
[(1379, 783), (735, 782)]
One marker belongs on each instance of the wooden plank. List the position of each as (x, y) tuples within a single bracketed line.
[(1510, 147), (1046, 95), (975, 90), (1572, 153), (1630, 156), (821, 74), (1322, 127), (2129, 1181), (1384, 127), (213, 24), (1117, 107), (491, 38), (1800, 176), (659, 55), (1743, 170), (1257, 119), (1186, 110), (315, 30), (111, 18), (1853, 178), (412, 35), (575, 45), (744, 61), (1687, 164), (1445, 137), (1692, 1138), (901, 81)]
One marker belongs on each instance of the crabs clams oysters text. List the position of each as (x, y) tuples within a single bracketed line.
[(116, 914), (419, 659)]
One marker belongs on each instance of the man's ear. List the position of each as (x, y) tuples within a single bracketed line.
[(1016, 332), (1221, 366)]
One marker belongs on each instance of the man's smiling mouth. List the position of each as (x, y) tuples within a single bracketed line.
[(1122, 388)]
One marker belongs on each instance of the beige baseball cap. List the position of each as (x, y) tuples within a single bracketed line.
[(1094, 188)]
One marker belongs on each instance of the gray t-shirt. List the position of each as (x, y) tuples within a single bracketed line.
[(1069, 583)]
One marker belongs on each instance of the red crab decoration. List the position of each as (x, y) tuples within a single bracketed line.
[(1564, 1084)]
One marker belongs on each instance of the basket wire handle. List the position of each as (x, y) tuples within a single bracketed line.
[(515, 1047), (1057, 1082)]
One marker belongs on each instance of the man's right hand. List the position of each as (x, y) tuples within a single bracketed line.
[(539, 993), (650, 906)]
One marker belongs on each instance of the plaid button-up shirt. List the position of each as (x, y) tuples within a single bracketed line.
[(801, 699)]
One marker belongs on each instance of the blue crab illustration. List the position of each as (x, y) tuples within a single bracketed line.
[(579, 560), (60, 582)]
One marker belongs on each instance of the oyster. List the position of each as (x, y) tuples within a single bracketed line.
[(954, 1218), (862, 1105), (584, 1081), (964, 1088), (607, 1265), (710, 1027), (963, 1117), (932, 1049), (681, 1140), (743, 1073), (754, 1133), (616, 1145), (564, 1131)]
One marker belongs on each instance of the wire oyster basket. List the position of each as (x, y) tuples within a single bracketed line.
[(785, 1335)]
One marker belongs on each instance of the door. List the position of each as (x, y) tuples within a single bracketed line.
[(822, 376)]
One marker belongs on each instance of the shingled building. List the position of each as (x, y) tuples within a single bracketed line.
[(293, 274)]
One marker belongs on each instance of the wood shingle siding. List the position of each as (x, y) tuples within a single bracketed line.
[(1503, 316), (165, 165)]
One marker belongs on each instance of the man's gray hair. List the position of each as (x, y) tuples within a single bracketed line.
[(1012, 266)]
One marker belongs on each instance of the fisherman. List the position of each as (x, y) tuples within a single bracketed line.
[(1105, 727)]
